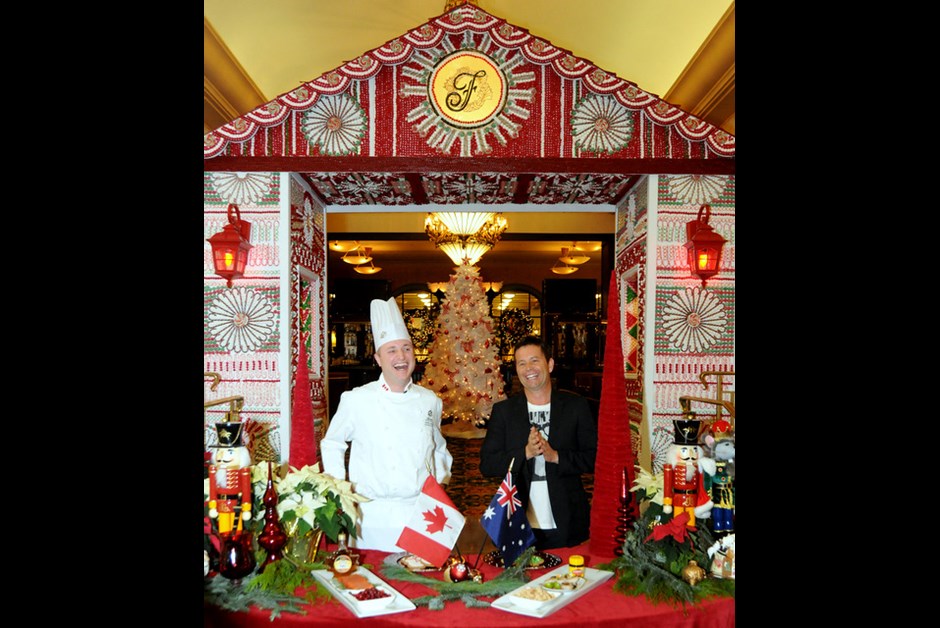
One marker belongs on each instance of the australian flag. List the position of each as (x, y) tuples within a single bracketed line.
[(506, 523)]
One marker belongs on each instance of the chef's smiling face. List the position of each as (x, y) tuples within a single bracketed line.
[(397, 360)]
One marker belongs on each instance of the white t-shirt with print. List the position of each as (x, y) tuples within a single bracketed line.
[(539, 511)]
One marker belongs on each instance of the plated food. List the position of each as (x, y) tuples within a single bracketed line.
[(416, 564), (370, 597), (564, 583), (353, 581), (532, 597), (363, 593)]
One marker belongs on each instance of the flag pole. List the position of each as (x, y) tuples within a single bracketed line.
[(485, 535)]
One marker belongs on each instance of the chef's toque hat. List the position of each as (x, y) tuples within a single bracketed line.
[(387, 323)]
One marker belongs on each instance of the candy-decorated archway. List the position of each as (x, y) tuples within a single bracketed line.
[(468, 98)]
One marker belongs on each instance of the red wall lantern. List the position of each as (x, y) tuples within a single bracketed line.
[(704, 245), (230, 246)]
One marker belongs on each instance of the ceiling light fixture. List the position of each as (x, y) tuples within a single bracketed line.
[(566, 269), (588, 247), (357, 257), (341, 246), (492, 286), (438, 286), (465, 236), (371, 269), (575, 260)]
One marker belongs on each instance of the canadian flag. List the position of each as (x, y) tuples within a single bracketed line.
[(436, 523)]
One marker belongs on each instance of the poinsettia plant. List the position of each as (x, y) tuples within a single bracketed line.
[(314, 500)]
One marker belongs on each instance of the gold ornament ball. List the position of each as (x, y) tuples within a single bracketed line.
[(692, 573)]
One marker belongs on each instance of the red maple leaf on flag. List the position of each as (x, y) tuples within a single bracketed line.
[(436, 519)]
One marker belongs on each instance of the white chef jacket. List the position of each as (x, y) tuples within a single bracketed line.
[(395, 437)]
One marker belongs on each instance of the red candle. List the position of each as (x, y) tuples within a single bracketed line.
[(623, 485)]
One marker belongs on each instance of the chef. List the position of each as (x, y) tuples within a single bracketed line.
[(394, 429)]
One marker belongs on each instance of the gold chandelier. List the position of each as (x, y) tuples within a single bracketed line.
[(355, 255), (343, 245), (465, 236), (371, 269), (566, 269), (572, 260)]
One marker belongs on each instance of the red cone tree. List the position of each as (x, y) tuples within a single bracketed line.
[(614, 453)]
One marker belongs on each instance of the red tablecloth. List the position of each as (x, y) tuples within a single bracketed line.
[(599, 607)]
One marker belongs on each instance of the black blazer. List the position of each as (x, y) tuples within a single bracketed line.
[(572, 431)]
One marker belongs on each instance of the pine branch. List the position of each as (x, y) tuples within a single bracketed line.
[(467, 591), (228, 595)]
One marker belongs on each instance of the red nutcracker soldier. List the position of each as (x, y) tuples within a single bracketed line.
[(683, 473), (229, 477)]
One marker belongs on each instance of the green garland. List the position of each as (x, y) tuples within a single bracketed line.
[(271, 589), (468, 592), (653, 568)]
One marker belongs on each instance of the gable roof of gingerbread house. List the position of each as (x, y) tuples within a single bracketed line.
[(469, 96)]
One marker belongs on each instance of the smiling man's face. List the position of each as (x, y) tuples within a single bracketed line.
[(397, 359), (532, 368)]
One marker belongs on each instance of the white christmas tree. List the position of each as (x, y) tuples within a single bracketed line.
[(463, 359)]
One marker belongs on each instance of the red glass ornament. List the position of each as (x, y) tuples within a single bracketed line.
[(273, 538), (236, 558)]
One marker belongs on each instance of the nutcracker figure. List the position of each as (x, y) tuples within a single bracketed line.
[(683, 473), (229, 477), (720, 444)]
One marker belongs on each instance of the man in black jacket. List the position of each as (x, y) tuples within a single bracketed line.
[(551, 437)]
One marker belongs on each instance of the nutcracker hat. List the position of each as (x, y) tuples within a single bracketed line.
[(230, 434), (387, 323), (686, 429)]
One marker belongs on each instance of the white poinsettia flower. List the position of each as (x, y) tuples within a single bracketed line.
[(657, 498), (310, 470), (313, 500), (650, 483), (259, 473), (294, 505), (289, 484)]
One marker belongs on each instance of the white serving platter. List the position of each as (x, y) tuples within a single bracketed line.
[(592, 578), (398, 604)]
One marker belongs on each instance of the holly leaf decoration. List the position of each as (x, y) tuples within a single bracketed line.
[(436, 519)]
